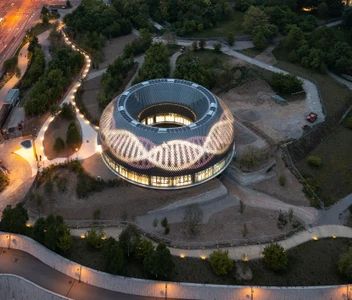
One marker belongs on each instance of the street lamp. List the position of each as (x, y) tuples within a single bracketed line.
[(76, 153), (166, 290), (79, 270)]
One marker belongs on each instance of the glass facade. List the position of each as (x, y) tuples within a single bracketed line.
[(167, 118), (167, 181)]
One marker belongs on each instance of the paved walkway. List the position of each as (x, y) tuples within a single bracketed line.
[(89, 134), (31, 268), (308, 215), (22, 64), (332, 215), (250, 251)]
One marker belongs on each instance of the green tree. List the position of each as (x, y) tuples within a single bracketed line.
[(231, 39), (129, 239), (39, 229), (259, 40), (294, 38), (202, 43), (4, 181), (217, 47), (73, 136), (220, 262), (345, 264), (254, 17), (68, 111), (275, 257), (95, 238), (286, 84), (65, 238), (14, 219), (45, 20), (59, 144), (142, 250), (159, 262), (193, 217)]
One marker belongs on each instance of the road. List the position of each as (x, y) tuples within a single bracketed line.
[(25, 265), (19, 16)]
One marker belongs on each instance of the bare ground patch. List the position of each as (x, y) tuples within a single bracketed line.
[(291, 192), (252, 102), (114, 48), (228, 225), (57, 128), (116, 203)]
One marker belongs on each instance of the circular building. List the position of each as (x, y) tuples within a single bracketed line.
[(167, 134)]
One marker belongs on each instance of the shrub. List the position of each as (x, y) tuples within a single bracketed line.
[(217, 47), (4, 181), (73, 136), (220, 262), (349, 123), (95, 238), (275, 257), (231, 39), (314, 161), (282, 180), (68, 111), (282, 220), (285, 83), (345, 264), (59, 144), (193, 217)]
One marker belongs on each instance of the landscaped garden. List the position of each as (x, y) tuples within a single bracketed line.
[(321, 262)]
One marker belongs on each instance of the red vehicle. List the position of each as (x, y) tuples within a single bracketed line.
[(311, 117)]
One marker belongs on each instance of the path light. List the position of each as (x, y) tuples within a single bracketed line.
[(182, 255), (83, 236), (203, 257), (334, 236), (315, 238)]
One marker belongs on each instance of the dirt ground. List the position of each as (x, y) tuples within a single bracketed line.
[(120, 203), (252, 102), (20, 173), (57, 128), (114, 47), (228, 225), (290, 193)]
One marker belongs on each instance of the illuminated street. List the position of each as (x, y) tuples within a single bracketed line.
[(19, 16)]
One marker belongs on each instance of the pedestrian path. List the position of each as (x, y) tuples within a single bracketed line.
[(332, 214), (250, 251), (22, 65)]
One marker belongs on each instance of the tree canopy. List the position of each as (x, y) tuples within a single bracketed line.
[(14, 219), (275, 257)]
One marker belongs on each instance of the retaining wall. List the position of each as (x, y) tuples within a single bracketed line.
[(158, 288), (16, 287)]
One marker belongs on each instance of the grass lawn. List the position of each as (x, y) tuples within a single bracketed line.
[(40, 28), (206, 56), (233, 25), (334, 178), (308, 265), (333, 93), (340, 33), (312, 263), (251, 52)]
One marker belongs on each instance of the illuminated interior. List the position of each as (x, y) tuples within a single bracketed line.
[(184, 140)]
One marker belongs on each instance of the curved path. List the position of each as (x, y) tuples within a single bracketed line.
[(27, 266)]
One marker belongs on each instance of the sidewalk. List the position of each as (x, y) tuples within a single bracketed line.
[(246, 252), (22, 65)]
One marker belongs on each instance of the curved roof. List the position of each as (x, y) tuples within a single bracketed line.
[(141, 147)]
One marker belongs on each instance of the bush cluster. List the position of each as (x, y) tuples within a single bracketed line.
[(285, 84)]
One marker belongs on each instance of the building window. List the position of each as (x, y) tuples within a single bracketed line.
[(202, 175), (161, 181), (182, 180)]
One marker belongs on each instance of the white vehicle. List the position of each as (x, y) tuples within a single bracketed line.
[(2, 20)]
